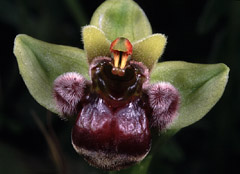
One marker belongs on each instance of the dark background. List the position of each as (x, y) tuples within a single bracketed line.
[(198, 31)]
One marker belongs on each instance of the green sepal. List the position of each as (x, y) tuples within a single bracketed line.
[(95, 42), (40, 63), (121, 18), (149, 49), (200, 87)]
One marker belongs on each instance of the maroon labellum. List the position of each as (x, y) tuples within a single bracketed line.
[(116, 109)]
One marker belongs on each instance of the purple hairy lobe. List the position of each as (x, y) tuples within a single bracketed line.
[(164, 101), (68, 91)]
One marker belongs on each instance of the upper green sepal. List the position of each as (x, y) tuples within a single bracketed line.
[(40, 63), (200, 87), (121, 18)]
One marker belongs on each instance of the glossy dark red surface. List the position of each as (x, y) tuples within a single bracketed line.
[(125, 130)]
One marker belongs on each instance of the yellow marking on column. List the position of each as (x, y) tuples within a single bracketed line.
[(124, 61), (116, 57)]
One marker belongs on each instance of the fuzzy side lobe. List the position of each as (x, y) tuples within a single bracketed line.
[(68, 90), (164, 101)]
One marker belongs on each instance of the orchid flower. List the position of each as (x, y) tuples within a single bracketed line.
[(115, 89)]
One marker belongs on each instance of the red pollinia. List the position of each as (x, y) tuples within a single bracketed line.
[(116, 109)]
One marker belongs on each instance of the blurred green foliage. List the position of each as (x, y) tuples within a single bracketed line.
[(198, 31)]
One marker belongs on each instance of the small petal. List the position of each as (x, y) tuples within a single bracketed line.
[(68, 91), (164, 101), (149, 49), (95, 42)]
